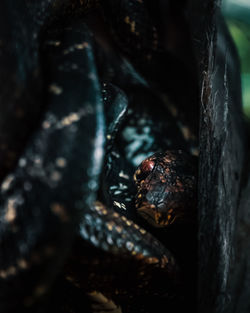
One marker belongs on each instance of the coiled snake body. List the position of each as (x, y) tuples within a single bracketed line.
[(64, 144)]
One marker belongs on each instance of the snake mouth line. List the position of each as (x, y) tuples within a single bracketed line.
[(153, 217)]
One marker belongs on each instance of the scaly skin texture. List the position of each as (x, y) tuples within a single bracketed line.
[(54, 135), (167, 188)]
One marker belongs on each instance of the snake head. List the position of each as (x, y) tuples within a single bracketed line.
[(166, 188)]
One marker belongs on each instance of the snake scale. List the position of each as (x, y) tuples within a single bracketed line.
[(74, 75)]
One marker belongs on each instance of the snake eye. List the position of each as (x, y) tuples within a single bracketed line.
[(147, 165), (143, 170)]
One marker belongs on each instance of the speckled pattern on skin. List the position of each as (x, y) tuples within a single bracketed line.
[(56, 137), (167, 188)]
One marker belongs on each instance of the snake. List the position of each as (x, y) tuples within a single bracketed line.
[(71, 97)]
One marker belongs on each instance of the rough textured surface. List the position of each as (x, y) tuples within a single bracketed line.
[(240, 272), (167, 188), (239, 283), (222, 147)]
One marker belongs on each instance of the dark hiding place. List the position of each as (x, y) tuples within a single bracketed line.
[(124, 158)]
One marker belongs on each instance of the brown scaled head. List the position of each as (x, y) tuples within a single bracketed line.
[(145, 168), (166, 184)]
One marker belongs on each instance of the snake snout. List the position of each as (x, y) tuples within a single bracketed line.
[(157, 215)]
